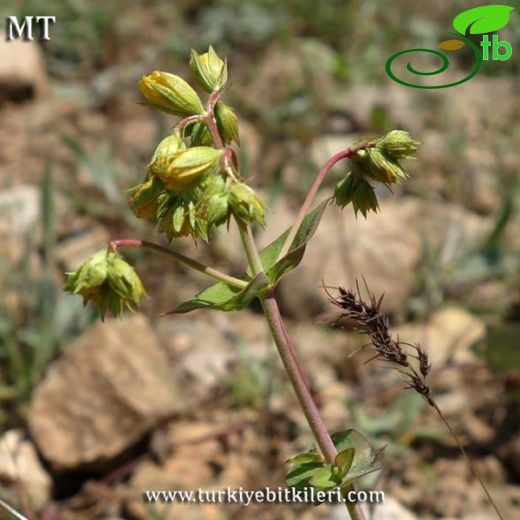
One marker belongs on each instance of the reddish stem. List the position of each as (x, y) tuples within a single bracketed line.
[(210, 271), (309, 199)]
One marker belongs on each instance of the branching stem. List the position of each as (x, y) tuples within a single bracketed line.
[(309, 199), (209, 271)]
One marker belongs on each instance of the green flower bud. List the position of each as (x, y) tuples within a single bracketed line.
[(178, 216), (398, 145), (217, 210), (209, 70), (382, 169), (144, 198), (214, 203), (92, 273), (123, 280), (370, 162), (170, 93), (364, 198), (189, 165), (227, 123), (107, 281), (200, 135), (246, 205), (164, 153)]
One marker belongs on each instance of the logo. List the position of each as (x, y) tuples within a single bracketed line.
[(477, 21), (24, 30)]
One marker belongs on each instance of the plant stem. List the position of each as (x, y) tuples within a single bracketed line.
[(287, 353), (309, 199), (209, 271), (272, 312), (291, 365), (212, 122), (253, 257)]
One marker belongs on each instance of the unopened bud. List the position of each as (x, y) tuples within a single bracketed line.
[(398, 145), (383, 169), (209, 70), (189, 165), (107, 281), (179, 218), (171, 94), (246, 205), (227, 123), (164, 154), (144, 198)]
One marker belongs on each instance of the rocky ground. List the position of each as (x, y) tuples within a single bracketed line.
[(94, 413)]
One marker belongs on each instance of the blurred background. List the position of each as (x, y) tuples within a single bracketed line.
[(93, 414)]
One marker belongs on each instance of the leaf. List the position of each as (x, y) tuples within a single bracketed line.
[(300, 475), (451, 45), (224, 297), (323, 478), (344, 460), (480, 20), (366, 459), (304, 458), (276, 269)]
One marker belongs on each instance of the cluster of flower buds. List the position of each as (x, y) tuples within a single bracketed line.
[(108, 282), (376, 160), (189, 187)]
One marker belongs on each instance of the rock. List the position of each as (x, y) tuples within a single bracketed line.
[(19, 209), (447, 336), (204, 345), (19, 216), (21, 469), (383, 248), (108, 390), (22, 72)]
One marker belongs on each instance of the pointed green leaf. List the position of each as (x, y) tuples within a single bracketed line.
[(304, 458), (275, 270), (365, 460), (344, 460), (300, 475), (224, 297), (481, 20), (323, 478)]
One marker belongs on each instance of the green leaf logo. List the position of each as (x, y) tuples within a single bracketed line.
[(480, 20)]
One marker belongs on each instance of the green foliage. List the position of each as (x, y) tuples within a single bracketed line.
[(274, 268), (223, 297), (355, 459)]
